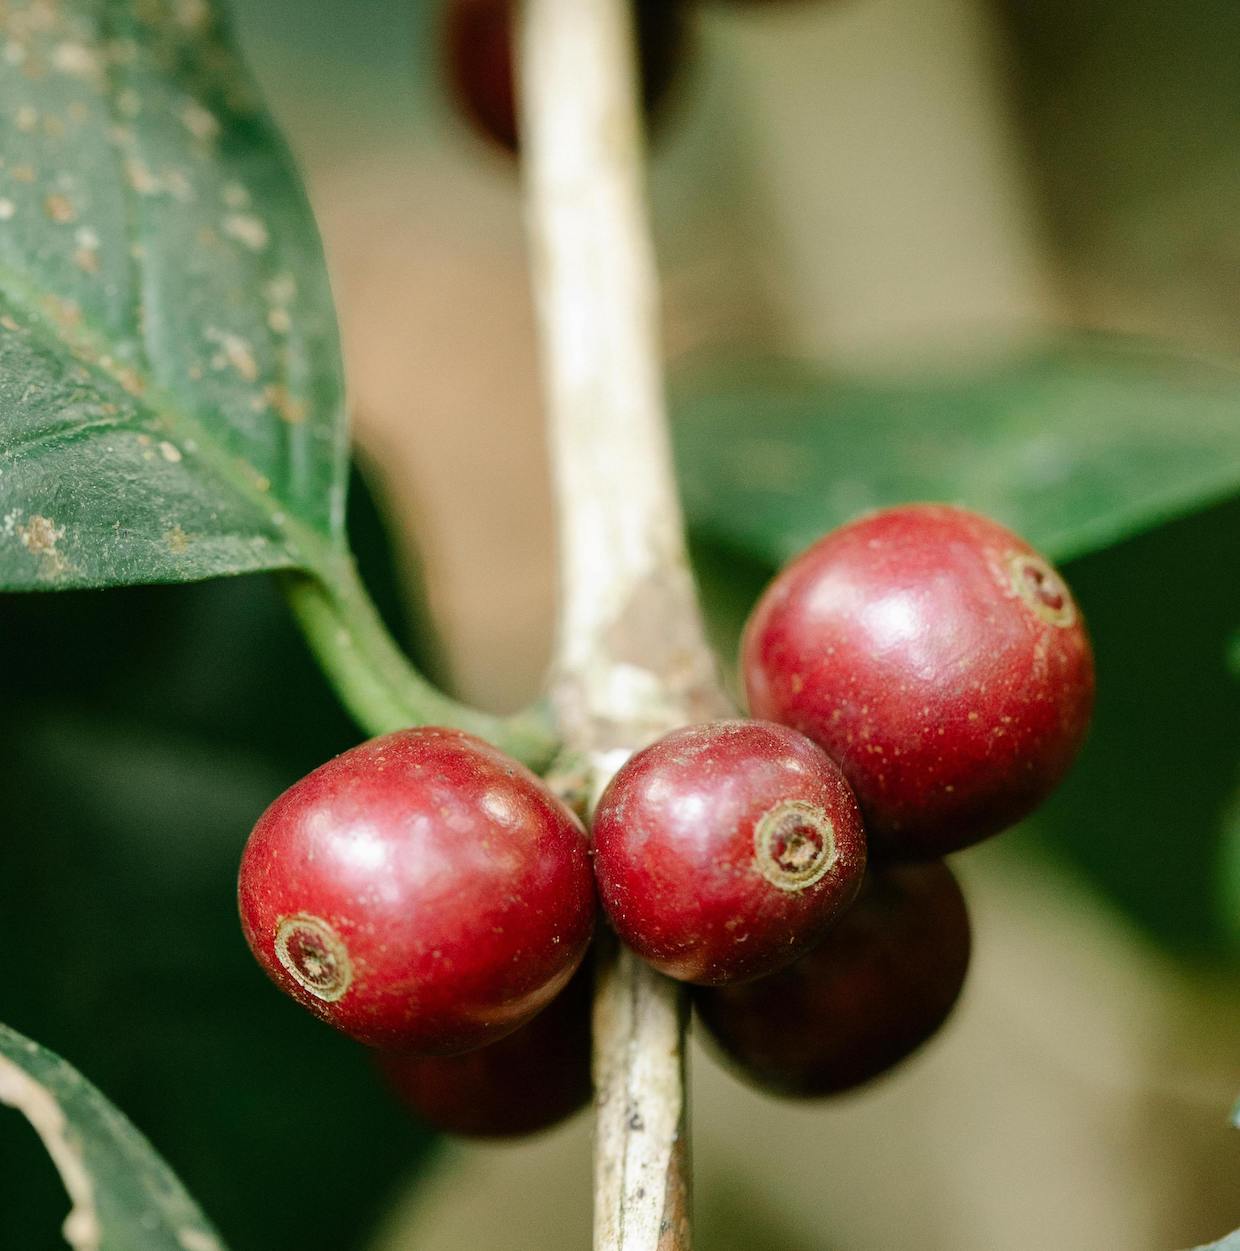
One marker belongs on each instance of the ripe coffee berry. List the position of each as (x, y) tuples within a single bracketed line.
[(939, 660), (420, 892), (479, 47), (725, 850), (531, 1079), (880, 984)]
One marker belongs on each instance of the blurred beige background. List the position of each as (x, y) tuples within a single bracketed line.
[(841, 181)]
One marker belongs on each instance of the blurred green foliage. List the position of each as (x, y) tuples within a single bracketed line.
[(1130, 116), (1077, 444)]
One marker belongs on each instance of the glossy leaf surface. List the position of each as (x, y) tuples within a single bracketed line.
[(170, 384)]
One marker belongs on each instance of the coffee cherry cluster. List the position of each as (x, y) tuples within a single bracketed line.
[(943, 665), (922, 674)]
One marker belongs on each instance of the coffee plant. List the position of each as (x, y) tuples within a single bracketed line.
[(507, 919)]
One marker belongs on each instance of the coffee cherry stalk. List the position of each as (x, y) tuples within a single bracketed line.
[(918, 680)]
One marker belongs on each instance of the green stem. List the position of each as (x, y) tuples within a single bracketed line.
[(375, 679)]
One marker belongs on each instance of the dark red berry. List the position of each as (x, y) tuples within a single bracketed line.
[(939, 660), (880, 984), (725, 850), (534, 1078), (420, 892), (478, 38)]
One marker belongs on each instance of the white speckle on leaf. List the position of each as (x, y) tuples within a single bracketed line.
[(140, 177), (59, 209), (39, 536), (286, 405), (234, 351), (282, 289), (170, 452), (199, 121), (179, 185), (7, 209), (196, 1240), (279, 292), (130, 379), (192, 14), (76, 59), (246, 229)]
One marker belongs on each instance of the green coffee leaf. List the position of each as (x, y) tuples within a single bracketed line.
[(1075, 446), (170, 383), (122, 1195)]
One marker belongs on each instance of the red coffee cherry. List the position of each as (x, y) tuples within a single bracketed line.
[(478, 39), (530, 1080), (725, 850), (880, 984), (939, 660), (420, 892)]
